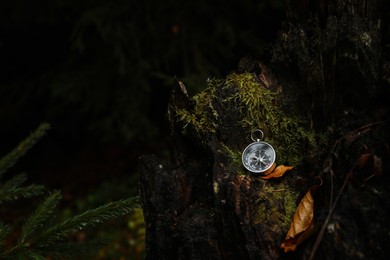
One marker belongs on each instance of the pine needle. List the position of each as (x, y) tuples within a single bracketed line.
[(11, 158), (89, 218), (15, 181), (41, 236), (12, 193), (38, 220)]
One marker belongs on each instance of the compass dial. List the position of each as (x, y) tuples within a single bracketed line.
[(258, 157)]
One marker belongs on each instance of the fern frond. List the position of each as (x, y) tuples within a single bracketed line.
[(90, 218), (40, 217), (11, 158)]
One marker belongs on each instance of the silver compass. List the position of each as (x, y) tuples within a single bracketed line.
[(258, 156)]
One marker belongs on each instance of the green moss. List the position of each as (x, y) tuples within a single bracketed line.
[(258, 107), (234, 156), (287, 133), (256, 99), (275, 205), (203, 116)]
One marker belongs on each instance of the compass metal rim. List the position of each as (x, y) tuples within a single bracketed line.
[(249, 147)]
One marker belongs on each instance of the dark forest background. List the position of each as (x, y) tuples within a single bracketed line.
[(100, 72)]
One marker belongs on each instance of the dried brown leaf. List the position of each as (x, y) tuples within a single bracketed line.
[(372, 163), (363, 159), (278, 172), (302, 225), (270, 169)]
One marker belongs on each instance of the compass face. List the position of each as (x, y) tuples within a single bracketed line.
[(258, 157)]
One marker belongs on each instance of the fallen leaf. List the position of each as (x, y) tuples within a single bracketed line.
[(302, 224), (363, 159), (278, 172), (270, 169), (377, 168), (371, 163)]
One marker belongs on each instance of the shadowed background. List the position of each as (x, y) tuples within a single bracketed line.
[(101, 72)]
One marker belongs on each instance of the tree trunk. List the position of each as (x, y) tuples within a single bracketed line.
[(319, 104)]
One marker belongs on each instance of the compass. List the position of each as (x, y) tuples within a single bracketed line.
[(258, 156)]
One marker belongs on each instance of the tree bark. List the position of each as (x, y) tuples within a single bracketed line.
[(327, 68)]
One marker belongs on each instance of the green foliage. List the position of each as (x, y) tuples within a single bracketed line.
[(43, 234), (12, 190), (47, 238), (126, 236), (40, 217), (92, 217)]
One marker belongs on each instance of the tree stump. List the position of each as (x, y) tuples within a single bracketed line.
[(308, 100)]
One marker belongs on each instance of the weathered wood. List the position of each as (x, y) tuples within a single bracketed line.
[(333, 48), (204, 205)]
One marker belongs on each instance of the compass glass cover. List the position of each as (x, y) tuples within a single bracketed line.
[(258, 157)]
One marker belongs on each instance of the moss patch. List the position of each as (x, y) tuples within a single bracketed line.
[(202, 116), (287, 133), (257, 107), (276, 205)]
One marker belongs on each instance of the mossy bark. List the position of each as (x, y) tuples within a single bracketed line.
[(203, 204)]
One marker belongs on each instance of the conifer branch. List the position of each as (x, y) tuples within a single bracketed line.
[(11, 158), (15, 181), (11, 189), (38, 220), (41, 236), (90, 218), (11, 193), (37, 242)]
